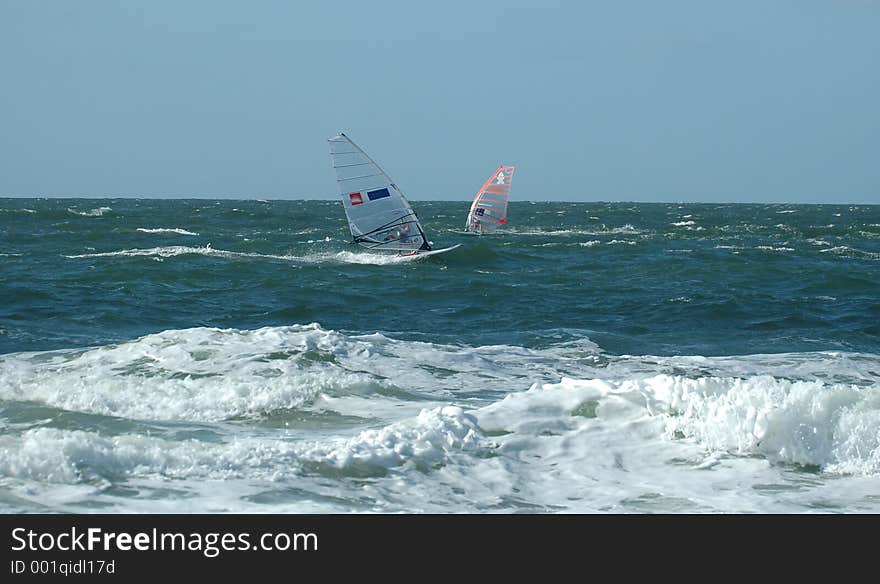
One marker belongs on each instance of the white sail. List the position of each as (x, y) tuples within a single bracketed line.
[(379, 216), (489, 209)]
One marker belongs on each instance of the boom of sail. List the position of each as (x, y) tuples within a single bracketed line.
[(489, 210), (379, 216)]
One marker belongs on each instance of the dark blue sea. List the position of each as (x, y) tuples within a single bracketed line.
[(199, 355)]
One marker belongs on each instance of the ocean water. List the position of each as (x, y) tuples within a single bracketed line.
[(192, 356)]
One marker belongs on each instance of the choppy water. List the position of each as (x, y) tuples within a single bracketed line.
[(215, 356)]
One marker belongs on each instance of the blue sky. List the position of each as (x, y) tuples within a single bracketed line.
[(751, 101)]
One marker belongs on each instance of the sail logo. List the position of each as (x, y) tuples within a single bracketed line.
[(378, 194), (500, 179), (356, 198)]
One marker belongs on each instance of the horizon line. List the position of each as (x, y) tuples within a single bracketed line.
[(335, 198)]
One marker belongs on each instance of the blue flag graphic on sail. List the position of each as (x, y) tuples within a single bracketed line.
[(378, 194)]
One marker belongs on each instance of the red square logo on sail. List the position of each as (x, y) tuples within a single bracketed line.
[(356, 198)]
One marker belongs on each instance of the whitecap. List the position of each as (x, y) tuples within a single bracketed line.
[(177, 230), (97, 212)]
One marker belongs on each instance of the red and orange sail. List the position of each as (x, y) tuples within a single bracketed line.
[(489, 209)]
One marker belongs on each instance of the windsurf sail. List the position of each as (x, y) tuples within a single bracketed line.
[(489, 209), (379, 216)]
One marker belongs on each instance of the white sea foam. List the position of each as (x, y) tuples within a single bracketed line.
[(774, 248), (830, 426), (191, 374), (833, 427), (376, 259), (345, 257), (845, 250), (683, 223), (830, 368), (177, 250), (177, 230), (97, 212), (75, 456), (634, 446), (625, 230), (209, 374), (681, 299), (443, 428)]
